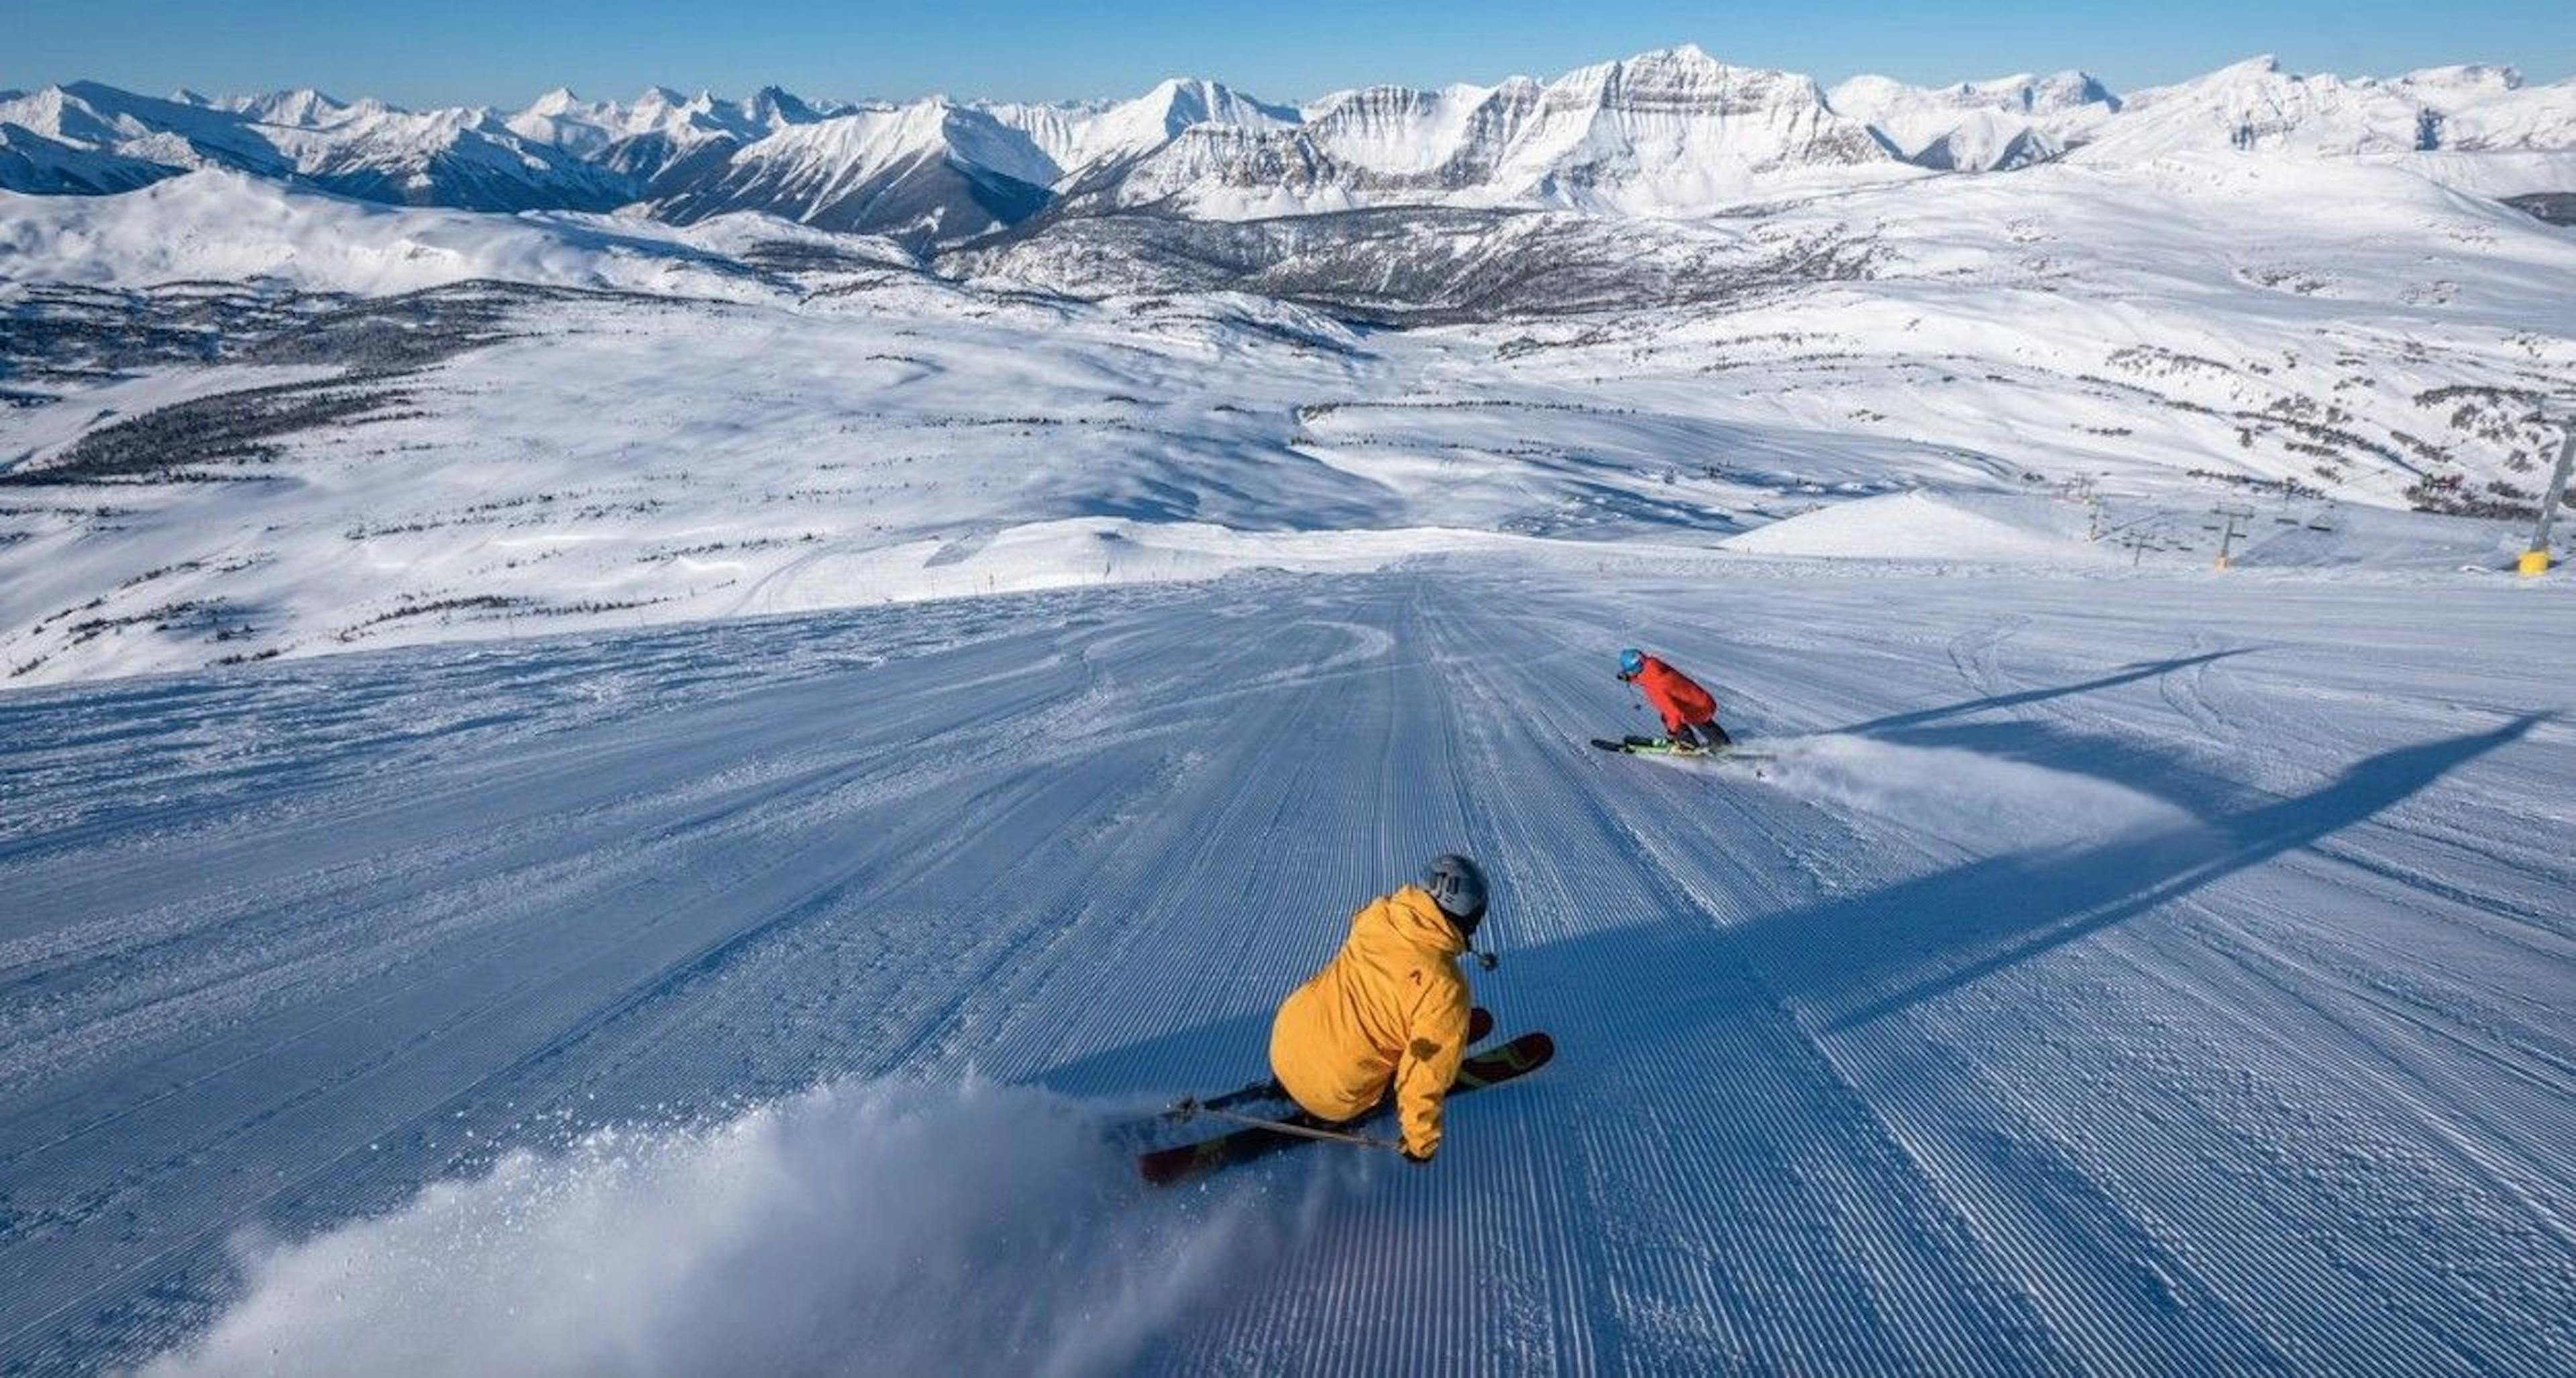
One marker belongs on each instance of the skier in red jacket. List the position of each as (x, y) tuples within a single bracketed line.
[(1690, 715)]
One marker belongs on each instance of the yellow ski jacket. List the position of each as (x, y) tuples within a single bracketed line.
[(1389, 1009)]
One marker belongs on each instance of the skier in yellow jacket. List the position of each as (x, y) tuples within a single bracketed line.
[(1389, 1012)]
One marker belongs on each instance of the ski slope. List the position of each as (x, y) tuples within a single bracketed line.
[(2117, 974)]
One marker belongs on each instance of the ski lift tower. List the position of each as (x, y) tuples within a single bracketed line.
[(2536, 559), (2230, 526)]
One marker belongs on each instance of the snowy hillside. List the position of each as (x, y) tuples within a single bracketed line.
[(256, 423), (223, 227)]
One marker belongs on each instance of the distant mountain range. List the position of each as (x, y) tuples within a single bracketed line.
[(1667, 133)]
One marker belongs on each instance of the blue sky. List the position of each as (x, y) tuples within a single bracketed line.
[(433, 52)]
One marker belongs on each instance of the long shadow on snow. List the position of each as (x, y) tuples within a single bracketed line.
[(1857, 959), (2130, 675), (1204, 1059), (1860, 959), (2124, 761)]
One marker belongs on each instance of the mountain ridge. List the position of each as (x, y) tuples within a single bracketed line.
[(1672, 132)]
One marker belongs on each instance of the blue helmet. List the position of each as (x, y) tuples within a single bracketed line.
[(1632, 662), (1457, 885)]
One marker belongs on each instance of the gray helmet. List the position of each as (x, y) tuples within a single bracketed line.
[(1457, 885)]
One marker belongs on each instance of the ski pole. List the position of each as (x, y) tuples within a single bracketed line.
[(1636, 704), (1301, 1131), (1187, 1106)]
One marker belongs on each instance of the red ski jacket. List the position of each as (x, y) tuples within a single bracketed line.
[(1683, 703)]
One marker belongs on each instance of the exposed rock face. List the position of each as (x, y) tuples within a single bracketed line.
[(1668, 132), (1663, 134)]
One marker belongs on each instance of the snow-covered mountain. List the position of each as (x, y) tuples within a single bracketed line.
[(304, 108), (2489, 109), (1669, 132), (586, 128), (663, 143), (31, 162), (1979, 126), (96, 137), (933, 170), (589, 128), (120, 126), (2257, 105), (928, 171), (1078, 135), (457, 157)]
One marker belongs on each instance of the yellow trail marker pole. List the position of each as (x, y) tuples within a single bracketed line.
[(2536, 559)]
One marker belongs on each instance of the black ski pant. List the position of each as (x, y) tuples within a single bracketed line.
[(1706, 735)]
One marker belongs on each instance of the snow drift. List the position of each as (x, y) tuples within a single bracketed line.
[(864, 1228)]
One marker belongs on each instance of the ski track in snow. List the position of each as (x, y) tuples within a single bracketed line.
[(2171, 984)]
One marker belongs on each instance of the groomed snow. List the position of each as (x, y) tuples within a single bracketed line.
[(2159, 973), (1925, 526)]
